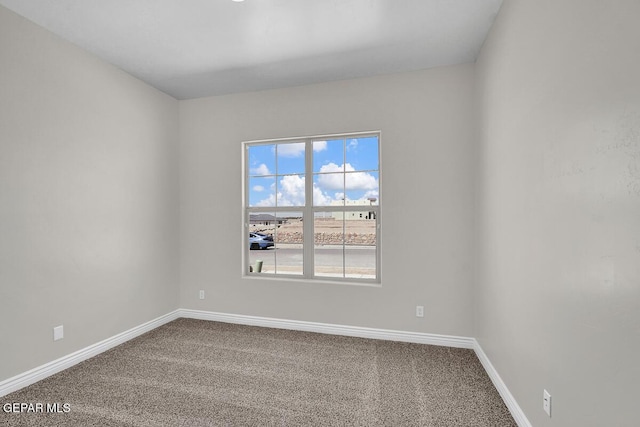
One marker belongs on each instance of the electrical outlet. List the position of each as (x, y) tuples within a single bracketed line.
[(419, 311), (546, 402), (201, 294), (58, 332)]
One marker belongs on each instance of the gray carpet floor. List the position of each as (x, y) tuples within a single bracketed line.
[(194, 373)]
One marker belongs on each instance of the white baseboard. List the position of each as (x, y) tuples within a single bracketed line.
[(516, 412), (41, 372), (327, 328), (381, 334)]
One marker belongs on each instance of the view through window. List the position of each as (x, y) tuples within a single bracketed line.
[(312, 207)]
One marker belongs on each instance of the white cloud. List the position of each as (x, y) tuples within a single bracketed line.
[(269, 201), (351, 181), (319, 146), (361, 181), (353, 144), (291, 150), (319, 197), (258, 188), (291, 188), (371, 194), (291, 191), (260, 170), (332, 181), (331, 167)]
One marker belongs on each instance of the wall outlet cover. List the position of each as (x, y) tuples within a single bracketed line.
[(58, 333), (546, 402)]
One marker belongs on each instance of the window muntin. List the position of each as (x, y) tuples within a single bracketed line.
[(339, 241), (280, 249), (276, 174), (344, 245)]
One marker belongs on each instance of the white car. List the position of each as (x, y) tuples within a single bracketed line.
[(260, 241)]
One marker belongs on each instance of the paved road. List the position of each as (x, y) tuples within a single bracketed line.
[(359, 260)]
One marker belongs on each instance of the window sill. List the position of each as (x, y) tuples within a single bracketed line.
[(272, 278)]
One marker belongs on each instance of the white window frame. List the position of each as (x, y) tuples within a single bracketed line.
[(308, 211)]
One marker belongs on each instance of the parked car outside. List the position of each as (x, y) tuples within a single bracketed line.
[(260, 241)]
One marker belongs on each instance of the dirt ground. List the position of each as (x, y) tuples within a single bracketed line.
[(322, 225), (359, 234), (326, 230)]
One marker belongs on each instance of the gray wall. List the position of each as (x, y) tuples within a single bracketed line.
[(88, 198), (558, 299), (426, 119)]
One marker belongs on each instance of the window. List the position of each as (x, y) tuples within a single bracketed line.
[(312, 207)]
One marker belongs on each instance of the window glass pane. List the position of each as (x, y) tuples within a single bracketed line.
[(360, 245), (291, 190), (288, 243), (362, 188), (262, 191), (328, 244), (328, 189), (362, 153), (290, 158), (328, 156), (262, 160), (275, 243), (262, 258), (344, 175)]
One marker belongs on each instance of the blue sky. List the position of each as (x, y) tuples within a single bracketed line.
[(342, 168)]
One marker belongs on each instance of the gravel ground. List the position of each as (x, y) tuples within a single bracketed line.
[(328, 231)]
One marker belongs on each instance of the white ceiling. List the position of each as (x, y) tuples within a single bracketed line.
[(196, 48)]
